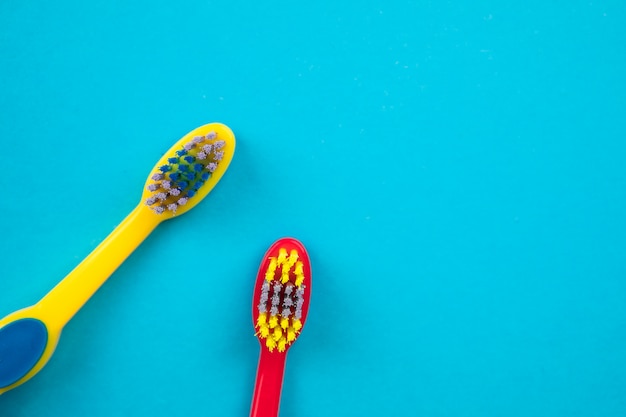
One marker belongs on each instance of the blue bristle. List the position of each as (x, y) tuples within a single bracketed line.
[(183, 168), (197, 185), (189, 159), (182, 152), (182, 185), (191, 193), (165, 168), (172, 160), (190, 176), (205, 176), (175, 176), (198, 167)]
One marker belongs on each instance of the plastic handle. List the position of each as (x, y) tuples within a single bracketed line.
[(69, 295), (269, 384)]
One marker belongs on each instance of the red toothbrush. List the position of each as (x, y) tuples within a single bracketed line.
[(282, 293)]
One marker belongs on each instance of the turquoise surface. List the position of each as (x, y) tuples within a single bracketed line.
[(456, 170)]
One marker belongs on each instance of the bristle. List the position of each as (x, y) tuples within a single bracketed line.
[(282, 344), (282, 256), (297, 325), (299, 279), (288, 289), (270, 343), (291, 334), (278, 333), (264, 331), (281, 300), (293, 257), (275, 299), (185, 173)]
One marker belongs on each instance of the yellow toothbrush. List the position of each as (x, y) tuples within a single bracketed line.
[(181, 178)]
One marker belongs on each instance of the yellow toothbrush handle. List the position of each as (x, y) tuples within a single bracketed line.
[(69, 295)]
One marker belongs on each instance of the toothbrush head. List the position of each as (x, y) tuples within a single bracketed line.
[(282, 294), (189, 170)]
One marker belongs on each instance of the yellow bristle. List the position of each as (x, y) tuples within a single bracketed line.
[(299, 279), (261, 320), (264, 331), (299, 268), (293, 257), (285, 272), (272, 265), (282, 344), (270, 343), (297, 325), (271, 269), (291, 334), (282, 256), (273, 322), (284, 322), (278, 333)]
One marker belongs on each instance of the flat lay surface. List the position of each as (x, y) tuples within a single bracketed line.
[(454, 169)]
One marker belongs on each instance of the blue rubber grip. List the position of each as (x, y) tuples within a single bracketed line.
[(21, 345)]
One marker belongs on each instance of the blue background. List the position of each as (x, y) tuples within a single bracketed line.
[(456, 170)]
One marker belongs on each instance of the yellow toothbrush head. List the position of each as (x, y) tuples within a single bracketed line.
[(189, 170)]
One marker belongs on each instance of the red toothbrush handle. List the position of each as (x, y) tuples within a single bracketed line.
[(269, 384)]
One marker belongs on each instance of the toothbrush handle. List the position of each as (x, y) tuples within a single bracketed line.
[(69, 295), (269, 383)]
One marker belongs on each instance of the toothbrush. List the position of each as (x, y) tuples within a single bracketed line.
[(180, 180), (279, 308)]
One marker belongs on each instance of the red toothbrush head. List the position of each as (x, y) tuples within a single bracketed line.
[(282, 295)]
